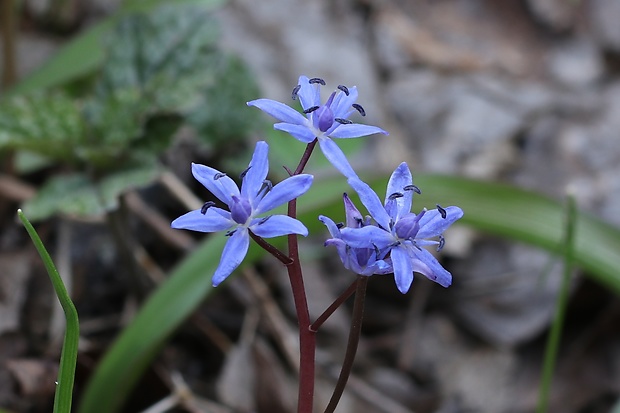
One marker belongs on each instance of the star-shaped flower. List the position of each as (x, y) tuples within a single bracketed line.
[(256, 197), (320, 121), (366, 260), (401, 231)]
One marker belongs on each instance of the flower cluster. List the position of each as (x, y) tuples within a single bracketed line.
[(390, 240)]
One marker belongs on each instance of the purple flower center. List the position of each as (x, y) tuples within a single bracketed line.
[(324, 118), (240, 210), (408, 226)]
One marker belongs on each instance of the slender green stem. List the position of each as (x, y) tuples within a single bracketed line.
[(333, 307), (68, 358), (354, 338), (553, 341)]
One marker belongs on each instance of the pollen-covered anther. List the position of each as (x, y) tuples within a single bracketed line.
[(343, 121), (413, 188), (218, 176), (316, 80), (442, 211), (206, 206), (295, 91), (344, 89), (359, 108), (310, 110), (395, 195), (242, 175), (442, 242)]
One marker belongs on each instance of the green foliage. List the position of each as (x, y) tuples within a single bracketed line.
[(47, 124), (84, 53), (79, 195), (497, 209), (159, 69), (224, 117)]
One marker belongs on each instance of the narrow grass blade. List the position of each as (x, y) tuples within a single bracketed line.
[(553, 341), (68, 357)]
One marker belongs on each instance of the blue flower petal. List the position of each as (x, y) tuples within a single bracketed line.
[(403, 271), (337, 158), (309, 94), (334, 231), (400, 178), (371, 201), (426, 264), (342, 249), (366, 237), (234, 252), (277, 225), (432, 224), (256, 172), (209, 222), (355, 130), (283, 192), (299, 132), (278, 110), (223, 187)]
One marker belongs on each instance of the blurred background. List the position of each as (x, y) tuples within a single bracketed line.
[(105, 104)]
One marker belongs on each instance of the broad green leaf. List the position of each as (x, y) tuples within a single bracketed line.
[(77, 195), (164, 55), (48, 125), (223, 119), (496, 209), (67, 194), (85, 52)]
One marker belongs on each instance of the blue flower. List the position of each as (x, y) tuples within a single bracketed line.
[(321, 121), (401, 231), (366, 260), (256, 197)]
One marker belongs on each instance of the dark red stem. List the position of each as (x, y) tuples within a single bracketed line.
[(282, 257), (354, 338), (307, 337), (334, 306)]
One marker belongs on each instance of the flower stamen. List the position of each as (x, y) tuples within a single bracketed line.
[(442, 211), (359, 108), (317, 80), (206, 206)]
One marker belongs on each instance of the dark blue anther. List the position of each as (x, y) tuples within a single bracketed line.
[(206, 206), (344, 89), (343, 121), (218, 176), (317, 80), (244, 172), (442, 242), (442, 211), (295, 91), (413, 188), (359, 108), (312, 109)]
